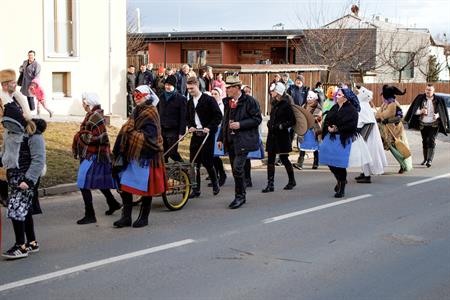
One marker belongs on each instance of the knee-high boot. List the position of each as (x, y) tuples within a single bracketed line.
[(142, 220), (125, 220), (291, 183), (89, 213), (270, 179), (341, 189), (316, 160)]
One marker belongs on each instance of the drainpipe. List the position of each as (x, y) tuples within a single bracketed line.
[(109, 60)]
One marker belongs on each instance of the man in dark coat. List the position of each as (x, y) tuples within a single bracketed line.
[(131, 86), (30, 70), (429, 114), (172, 114), (143, 77), (182, 77), (203, 117), (239, 134)]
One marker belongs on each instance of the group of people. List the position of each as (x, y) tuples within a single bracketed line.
[(344, 132)]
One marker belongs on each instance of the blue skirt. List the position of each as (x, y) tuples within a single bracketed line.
[(94, 175), (332, 153), (309, 141)]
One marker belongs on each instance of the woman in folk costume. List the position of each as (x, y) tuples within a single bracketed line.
[(278, 138), (391, 127), (342, 147), (368, 128), (138, 155), (24, 159), (217, 161), (91, 146), (311, 139)]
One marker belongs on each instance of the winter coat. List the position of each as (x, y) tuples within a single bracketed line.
[(181, 82), (30, 72), (439, 107), (131, 82), (281, 119), (208, 112), (172, 112), (248, 114), (144, 78), (298, 94), (346, 120)]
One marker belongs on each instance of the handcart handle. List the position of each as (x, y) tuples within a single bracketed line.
[(177, 142), (201, 146)]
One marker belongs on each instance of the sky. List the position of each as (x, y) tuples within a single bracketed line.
[(214, 15)]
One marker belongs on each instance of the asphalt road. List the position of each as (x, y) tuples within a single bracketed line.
[(385, 240)]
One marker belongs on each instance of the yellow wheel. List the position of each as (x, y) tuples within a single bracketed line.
[(178, 188)]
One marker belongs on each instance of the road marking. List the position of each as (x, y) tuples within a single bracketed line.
[(302, 212), (428, 179), (95, 264)]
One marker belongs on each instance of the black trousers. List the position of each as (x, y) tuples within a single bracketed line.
[(31, 103), (247, 169), (22, 228), (339, 173), (283, 157), (429, 134), (87, 196), (218, 166), (237, 161), (170, 137), (205, 156), (130, 104)]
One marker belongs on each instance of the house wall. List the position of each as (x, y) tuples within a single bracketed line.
[(230, 53), (156, 53), (90, 70)]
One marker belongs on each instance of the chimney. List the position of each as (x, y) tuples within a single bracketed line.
[(355, 9)]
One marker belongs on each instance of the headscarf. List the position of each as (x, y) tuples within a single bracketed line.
[(366, 115), (92, 99), (351, 97), (150, 94)]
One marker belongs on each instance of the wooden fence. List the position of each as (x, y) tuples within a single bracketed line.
[(412, 90)]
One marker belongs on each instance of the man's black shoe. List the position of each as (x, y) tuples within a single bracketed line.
[(237, 202), (365, 179)]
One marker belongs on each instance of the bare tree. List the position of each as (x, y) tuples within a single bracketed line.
[(135, 39), (403, 55)]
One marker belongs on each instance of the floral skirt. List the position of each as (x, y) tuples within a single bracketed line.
[(19, 201)]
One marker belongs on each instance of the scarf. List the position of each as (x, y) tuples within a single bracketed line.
[(168, 95), (92, 138), (140, 137)]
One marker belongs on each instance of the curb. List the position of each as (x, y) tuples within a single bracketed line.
[(58, 189)]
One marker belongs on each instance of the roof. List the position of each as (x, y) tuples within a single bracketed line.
[(276, 68), (242, 35)]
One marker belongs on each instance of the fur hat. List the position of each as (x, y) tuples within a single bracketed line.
[(172, 80), (389, 91), (278, 88), (7, 75)]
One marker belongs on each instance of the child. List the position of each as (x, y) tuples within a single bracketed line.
[(36, 90)]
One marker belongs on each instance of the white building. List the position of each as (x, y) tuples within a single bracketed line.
[(80, 45)]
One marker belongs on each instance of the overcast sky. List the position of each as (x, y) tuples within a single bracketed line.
[(201, 15)]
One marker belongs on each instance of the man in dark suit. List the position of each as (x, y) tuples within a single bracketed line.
[(203, 117), (143, 77)]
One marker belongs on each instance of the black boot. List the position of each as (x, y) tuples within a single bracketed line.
[(291, 183), (215, 183), (142, 220), (361, 176), (270, 179), (239, 198), (196, 189), (341, 189), (316, 160), (113, 205), (125, 220), (430, 156), (248, 182), (365, 179), (336, 187), (425, 156), (300, 160), (89, 215)]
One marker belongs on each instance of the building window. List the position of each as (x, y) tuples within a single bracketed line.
[(196, 57), (61, 85), (405, 60), (258, 52), (246, 52), (61, 30)]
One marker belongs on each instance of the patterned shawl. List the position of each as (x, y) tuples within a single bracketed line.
[(92, 139), (140, 137)]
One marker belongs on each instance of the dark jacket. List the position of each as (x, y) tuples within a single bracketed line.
[(248, 114), (131, 82), (439, 107), (181, 82), (281, 119), (346, 120), (144, 78), (298, 94), (172, 112), (208, 112)]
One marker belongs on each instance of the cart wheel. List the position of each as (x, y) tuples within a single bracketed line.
[(178, 188)]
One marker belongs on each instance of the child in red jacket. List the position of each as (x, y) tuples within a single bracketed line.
[(36, 90)]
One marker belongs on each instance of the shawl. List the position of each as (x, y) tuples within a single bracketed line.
[(92, 138), (140, 137)]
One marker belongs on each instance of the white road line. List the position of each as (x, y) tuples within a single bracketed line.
[(95, 264), (302, 212), (428, 179)]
